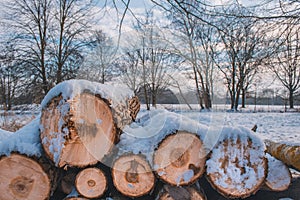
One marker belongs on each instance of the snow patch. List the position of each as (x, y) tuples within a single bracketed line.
[(276, 175), (25, 141), (71, 88), (151, 127)]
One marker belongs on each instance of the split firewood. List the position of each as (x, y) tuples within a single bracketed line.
[(279, 176), (180, 159), (289, 154), (132, 175), (23, 178), (91, 183), (181, 193), (237, 166)]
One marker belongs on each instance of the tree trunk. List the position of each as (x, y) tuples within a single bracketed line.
[(78, 132), (91, 183), (279, 176), (237, 166), (291, 98), (243, 98), (132, 175), (23, 178), (180, 159), (181, 193), (288, 154)]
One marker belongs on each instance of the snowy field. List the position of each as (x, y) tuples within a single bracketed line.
[(272, 122)]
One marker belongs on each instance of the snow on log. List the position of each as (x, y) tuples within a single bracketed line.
[(132, 175), (181, 193), (23, 178), (80, 120), (237, 166), (180, 158), (287, 153), (91, 183), (279, 176)]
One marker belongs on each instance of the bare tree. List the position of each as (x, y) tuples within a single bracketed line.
[(99, 61), (130, 69), (241, 54), (31, 20), (196, 47), (146, 60), (68, 34), (285, 62), (9, 76)]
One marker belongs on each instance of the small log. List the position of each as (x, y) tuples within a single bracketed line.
[(289, 154), (91, 183), (132, 175), (77, 132), (279, 176), (23, 178), (181, 193), (237, 166), (180, 159)]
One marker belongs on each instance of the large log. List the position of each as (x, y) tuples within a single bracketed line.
[(82, 120), (132, 175), (23, 178), (180, 159), (181, 193), (237, 166), (77, 132), (279, 176), (91, 183), (289, 154)]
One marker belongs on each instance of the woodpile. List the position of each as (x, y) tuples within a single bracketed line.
[(79, 131)]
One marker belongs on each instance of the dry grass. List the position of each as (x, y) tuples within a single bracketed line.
[(12, 122)]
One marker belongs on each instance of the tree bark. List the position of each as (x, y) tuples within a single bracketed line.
[(91, 183), (291, 98), (132, 175), (180, 159), (289, 154), (23, 178)]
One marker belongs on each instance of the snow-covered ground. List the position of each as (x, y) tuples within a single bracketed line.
[(272, 123), (276, 126)]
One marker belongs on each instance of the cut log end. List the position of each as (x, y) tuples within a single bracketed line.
[(180, 159), (237, 167), (132, 175), (181, 193), (279, 176), (77, 132), (23, 178), (91, 183)]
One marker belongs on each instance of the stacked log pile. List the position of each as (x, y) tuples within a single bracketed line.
[(78, 158)]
